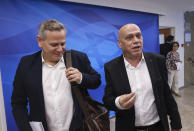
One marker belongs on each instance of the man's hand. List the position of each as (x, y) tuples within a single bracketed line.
[(73, 75), (127, 101)]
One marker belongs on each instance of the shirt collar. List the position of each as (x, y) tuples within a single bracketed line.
[(128, 65), (43, 61)]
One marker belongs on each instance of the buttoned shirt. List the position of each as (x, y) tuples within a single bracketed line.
[(57, 96), (140, 83)]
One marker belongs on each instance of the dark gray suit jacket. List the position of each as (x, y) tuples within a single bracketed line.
[(117, 84), (28, 90)]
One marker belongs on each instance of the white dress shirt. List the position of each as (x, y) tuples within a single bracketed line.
[(140, 83), (57, 96)]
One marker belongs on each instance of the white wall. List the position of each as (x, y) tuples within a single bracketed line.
[(176, 19), (3, 126), (171, 15)]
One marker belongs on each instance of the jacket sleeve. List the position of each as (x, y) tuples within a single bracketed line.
[(19, 100), (171, 105), (90, 78)]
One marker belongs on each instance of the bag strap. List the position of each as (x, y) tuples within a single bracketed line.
[(75, 89)]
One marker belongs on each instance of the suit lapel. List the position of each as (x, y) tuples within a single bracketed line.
[(151, 65), (36, 71), (122, 75)]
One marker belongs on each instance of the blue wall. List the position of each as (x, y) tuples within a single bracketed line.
[(91, 29)]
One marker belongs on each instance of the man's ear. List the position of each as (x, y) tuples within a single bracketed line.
[(119, 43), (39, 41)]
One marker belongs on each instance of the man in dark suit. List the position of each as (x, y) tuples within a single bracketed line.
[(167, 46), (137, 88), (43, 82)]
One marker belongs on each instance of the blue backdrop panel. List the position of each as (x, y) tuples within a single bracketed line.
[(91, 29)]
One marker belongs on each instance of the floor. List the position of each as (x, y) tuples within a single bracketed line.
[(186, 109)]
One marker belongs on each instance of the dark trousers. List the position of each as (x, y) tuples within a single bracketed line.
[(155, 127)]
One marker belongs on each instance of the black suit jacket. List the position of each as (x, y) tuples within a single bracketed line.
[(165, 48), (117, 84), (28, 90)]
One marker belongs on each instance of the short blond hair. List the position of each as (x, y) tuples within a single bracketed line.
[(50, 25)]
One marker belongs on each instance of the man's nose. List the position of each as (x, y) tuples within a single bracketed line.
[(60, 48), (135, 40)]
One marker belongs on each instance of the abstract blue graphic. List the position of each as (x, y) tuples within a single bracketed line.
[(91, 29)]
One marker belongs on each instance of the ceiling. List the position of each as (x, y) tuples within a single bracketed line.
[(184, 5), (159, 6)]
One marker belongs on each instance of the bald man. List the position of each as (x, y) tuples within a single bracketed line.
[(137, 88)]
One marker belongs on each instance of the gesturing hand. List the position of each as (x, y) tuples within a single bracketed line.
[(73, 75), (127, 101)]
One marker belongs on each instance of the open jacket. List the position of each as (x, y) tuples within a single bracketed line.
[(28, 90), (117, 84)]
